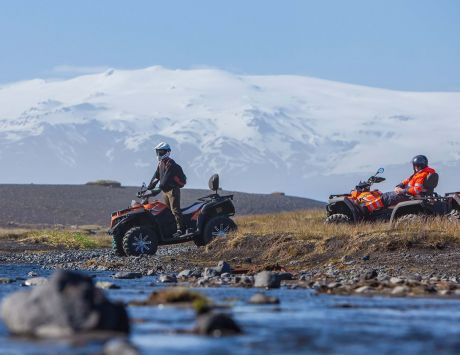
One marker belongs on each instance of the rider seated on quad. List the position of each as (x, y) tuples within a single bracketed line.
[(411, 186), (171, 178)]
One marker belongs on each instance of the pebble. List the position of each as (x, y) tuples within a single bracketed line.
[(32, 274), (260, 298), (36, 281), (119, 347), (107, 285), (400, 290), (396, 280), (363, 289), (166, 278), (6, 280)]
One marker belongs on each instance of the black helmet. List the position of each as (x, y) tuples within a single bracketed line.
[(420, 161)]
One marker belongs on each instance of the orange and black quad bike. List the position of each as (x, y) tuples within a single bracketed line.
[(365, 204), (141, 228)]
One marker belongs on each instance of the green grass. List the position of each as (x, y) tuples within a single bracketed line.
[(68, 239)]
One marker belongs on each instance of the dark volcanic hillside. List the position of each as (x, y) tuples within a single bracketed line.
[(81, 204)]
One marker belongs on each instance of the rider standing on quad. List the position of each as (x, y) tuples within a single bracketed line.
[(412, 186), (171, 178)]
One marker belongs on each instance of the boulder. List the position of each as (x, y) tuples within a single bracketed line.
[(127, 275), (216, 324), (267, 279), (68, 304)]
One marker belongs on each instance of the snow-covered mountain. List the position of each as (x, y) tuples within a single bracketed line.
[(296, 134)]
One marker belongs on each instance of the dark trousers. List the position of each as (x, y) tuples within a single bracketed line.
[(392, 198), (172, 200)]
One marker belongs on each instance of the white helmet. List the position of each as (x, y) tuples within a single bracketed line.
[(162, 150)]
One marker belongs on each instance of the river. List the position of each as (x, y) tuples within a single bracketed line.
[(302, 323)]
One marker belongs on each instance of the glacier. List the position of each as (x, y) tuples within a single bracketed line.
[(300, 135)]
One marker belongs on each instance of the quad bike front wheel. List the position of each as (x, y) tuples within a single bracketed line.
[(338, 218), (117, 245), (217, 227), (140, 241)]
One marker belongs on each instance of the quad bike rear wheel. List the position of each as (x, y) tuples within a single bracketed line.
[(454, 216), (117, 245), (409, 220), (140, 240), (338, 218), (216, 227)]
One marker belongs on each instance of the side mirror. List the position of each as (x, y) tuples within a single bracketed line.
[(214, 183), (380, 171)]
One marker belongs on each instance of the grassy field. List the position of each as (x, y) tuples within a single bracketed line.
[(284, 236), (81, 238), (304, 238)]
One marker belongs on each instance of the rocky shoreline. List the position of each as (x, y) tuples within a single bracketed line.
[(401, 273)]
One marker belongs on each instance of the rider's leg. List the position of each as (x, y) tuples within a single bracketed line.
[(392, 198)]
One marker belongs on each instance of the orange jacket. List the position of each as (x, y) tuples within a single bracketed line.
[(414, 184)]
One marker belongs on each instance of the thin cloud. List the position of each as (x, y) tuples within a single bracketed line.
[(79, 70)]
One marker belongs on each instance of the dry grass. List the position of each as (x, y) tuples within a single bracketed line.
[(64, 238), (303, 235)]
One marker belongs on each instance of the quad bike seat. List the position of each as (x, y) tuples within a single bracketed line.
[(192, 208)]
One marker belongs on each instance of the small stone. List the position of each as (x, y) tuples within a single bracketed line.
[(444, 292), (151, 272), (333, 285), (6, 280), (32, 274), (247, 260), (210, 272), (185, 274), (366, 257), (36, 281), (267, 279), (260, 298), (127, 275), (371, 274), (119, 347), (225, 275), (396, 280), (107, 285), (400, 290), (223, 267), (216, 325), (363, 289), (246, 280), (166, 278)]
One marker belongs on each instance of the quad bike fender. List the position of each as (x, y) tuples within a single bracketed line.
[(406, 207), (456, 201), (133, 219), (342, 204)]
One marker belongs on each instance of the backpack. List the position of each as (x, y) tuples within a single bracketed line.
[(179, 177)]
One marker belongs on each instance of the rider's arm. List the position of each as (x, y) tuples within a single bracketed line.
[(154, 181)]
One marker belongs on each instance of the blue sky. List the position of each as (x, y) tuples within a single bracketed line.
[(398, 44)]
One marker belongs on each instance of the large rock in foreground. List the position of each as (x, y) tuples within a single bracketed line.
[(69, 303)]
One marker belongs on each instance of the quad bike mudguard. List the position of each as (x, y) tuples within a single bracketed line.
[(342, 204), (221, 206), (136, 218)]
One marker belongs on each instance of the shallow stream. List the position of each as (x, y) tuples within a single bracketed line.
[(302, 323)]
